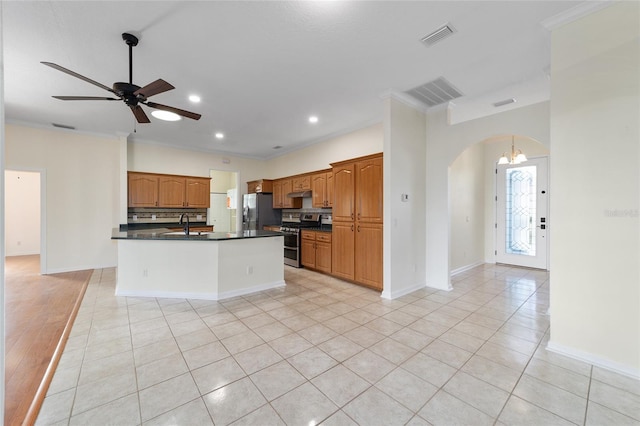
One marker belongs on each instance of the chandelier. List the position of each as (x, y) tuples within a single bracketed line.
[(516, 157)]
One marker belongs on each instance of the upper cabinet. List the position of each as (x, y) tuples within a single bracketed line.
[(167, 191), (301, 183), (322, 189), (261, 185), (281, 188), (368, 194), (143, 189), (344, 184), (197, 194), (171, 191)]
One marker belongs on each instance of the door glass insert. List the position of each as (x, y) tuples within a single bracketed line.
[(520, 229)]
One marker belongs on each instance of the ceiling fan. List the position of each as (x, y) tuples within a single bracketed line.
[(131, 94)]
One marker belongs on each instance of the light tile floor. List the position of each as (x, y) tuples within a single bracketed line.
[(325, 351)]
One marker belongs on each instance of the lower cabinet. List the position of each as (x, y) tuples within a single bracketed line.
[(316, 250), (357, 253), (368, 261), (343, 247)]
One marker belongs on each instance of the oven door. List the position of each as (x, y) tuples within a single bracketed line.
[(291, 250)]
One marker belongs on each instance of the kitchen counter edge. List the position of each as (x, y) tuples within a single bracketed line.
[(165, 234)]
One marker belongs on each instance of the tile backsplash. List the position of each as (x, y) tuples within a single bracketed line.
[(158, 215)]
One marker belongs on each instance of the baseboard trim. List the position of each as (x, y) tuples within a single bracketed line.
[(396, 294), (201, 296), (466, 268), (50, 271), (598, 361)]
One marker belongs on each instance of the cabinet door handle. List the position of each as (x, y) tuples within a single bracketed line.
[(351, 228), (358, 216), (351, 215), (358, 228)]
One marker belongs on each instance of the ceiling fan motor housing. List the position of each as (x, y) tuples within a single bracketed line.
[(127, 90)]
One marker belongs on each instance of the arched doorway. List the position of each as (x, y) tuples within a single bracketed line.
[(472, 199)]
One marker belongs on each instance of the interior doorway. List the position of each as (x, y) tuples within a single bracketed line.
[(24, 214), (223, 209)]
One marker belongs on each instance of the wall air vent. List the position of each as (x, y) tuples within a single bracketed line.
[(435, 92), (505, 102), (63, 126), (438, 35)]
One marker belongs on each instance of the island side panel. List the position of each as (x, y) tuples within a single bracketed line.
[(250, 265), (174, 269)]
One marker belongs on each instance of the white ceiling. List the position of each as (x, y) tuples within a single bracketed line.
[(263, 67)]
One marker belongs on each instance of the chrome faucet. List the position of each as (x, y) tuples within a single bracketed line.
[(186, 225)]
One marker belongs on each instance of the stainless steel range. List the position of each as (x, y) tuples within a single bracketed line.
[(291, 225)]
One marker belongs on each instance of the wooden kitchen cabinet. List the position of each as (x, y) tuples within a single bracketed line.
[(357, 220), (344, 184), (142, 190), (281, 188), (368, 260), (260, 185), (368, 194), (321, 189), (301, 183), (343, 250), (316, 250), (198, 192), (173, 191)]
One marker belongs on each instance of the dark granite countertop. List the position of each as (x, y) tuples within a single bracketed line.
[(165, 234)]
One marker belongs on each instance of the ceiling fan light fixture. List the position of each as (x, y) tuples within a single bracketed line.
[(166, 115)]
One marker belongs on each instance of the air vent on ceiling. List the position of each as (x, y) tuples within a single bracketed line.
[(63, 126), (438, 35), (505, 102), (435, 92)]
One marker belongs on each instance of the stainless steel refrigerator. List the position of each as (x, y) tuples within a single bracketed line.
[(258, 211)]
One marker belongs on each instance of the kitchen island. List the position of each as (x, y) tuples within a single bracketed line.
[(201, 265)]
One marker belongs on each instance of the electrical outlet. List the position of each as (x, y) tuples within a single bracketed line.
[(135, 217), (249, 270), (199, 217), (145, 273), (153, 217)]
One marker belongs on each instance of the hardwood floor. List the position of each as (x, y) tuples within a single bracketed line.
[(37, 309)]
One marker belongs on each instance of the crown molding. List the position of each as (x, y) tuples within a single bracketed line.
[(583, 9)]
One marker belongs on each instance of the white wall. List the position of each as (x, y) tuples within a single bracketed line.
[(404, 222), (22, 213), (318, 156), (444, 143), (595, 163), (467, 198), (146, 157), (82, 187)]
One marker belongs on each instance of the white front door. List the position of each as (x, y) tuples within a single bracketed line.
[(522, 219)]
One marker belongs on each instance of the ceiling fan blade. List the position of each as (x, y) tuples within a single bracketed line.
[(84, 98), (178, 111), (76, 75), (140, 114), (158, 86)]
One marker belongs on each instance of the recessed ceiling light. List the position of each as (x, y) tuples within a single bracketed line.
[(165, 115), (194, 98), (219, 135), (277, 147), (313, 119)]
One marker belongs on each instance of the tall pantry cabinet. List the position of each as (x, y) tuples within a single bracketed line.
[(358, 220)]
